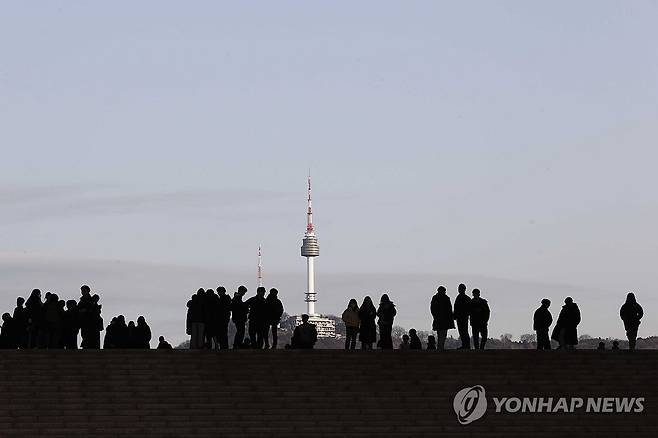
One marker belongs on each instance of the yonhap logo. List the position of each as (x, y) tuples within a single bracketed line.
[(470, 404)]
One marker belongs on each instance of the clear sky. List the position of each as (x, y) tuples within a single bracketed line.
[(149, 147)]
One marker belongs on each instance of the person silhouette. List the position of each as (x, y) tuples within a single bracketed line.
[(351, 319), (443, 317), (368, 328), (7, 333), (631, 313), (541, 323), (86, 311), (414, 340), (163, 345), (566, 327), (305, 335), (110, 334), (71, 325), (480, 314), (33, 307), (121, 335), (97, 322), (239, 310), (142, 333), (196, 319), (615, 345), (431, 342), (601, 346), (224, 317), (462, 312), (386, 314), (19, 320), (52, 317), (257, 318), (273, 312), (133, 342), (405, 343), (211, 320)]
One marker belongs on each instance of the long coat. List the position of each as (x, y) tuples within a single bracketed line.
[(631, 313), (368, 330), (441, 309), (569, 319)]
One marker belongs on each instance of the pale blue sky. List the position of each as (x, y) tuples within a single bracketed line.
[(509, 142)]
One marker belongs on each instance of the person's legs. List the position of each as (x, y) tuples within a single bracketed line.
[(476, 337), (275, 334), (462, 326), (441, 336), (239, 335), (223, 335), (484, 332), (632, 338)]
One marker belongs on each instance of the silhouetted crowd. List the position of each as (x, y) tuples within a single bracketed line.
[(54, 323), (209, 315)]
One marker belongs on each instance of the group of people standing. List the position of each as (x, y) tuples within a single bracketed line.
[(209, 314), (54, 323), (565, 331), (361, 321)]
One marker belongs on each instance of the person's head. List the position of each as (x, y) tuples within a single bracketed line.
[(20, 301), (141, 320), (121, 319), (71, 304), (61, 304), (36, 294), (412, 332), (54, 298), (305, 318), (47, 296), (200, 292), (131, 324), (242, 290), (546, 303), (568, 300), (476, 293), (85, 290), (95, 298), (462, 288), (352, 304), (221, 290), (431, 339), (6, 317), (630, 298), (405, 338), (441, 290), (260, 291), (161, 339), (210, 292), (385, 299), (367, 301), (274, 292)]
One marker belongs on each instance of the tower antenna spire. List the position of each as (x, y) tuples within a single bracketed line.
[(260, 268)]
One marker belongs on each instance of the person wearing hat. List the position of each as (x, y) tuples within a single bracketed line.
[(239, 310), (541, 323)]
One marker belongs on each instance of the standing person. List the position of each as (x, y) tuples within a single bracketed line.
[(368, 329), (71, 325), (386, 313), (462, 312), (239, 312), (566, 327), (211, 320), (480, 314), (19, 319), (414, 340), (87, 319), (142, 334), (444, 319), (431, 343), (273, 312), (33, 307), (541, 322), (631, 313), (351, 319), (224, 312), (196, 319), (257, 317)]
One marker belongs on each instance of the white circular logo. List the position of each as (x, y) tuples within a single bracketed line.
[(470, 404)]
